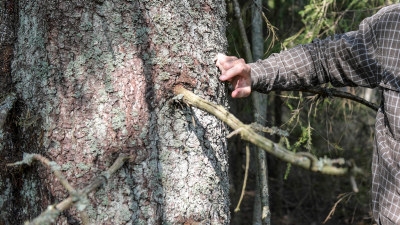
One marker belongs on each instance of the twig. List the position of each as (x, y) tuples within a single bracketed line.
[(329, 92), (246, 173), (78, 198), (246, 44), (53, 166), (322, 165), (341, 197)]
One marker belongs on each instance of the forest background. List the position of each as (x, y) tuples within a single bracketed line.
[(322, 125)]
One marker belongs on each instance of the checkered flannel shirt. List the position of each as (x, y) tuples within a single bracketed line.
[(368, 57)]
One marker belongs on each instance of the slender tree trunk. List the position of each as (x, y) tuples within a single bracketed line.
[(261, 213), (94, 79)]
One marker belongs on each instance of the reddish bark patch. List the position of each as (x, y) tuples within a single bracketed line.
[(5, 68)]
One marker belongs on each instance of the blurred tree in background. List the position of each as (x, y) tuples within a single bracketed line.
[(323, 126)]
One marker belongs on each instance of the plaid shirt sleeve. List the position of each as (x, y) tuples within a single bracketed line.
[(368, 57), (351, 59)]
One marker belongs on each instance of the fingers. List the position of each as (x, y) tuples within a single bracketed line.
[(241, 92), (231, 66), (225, 62), (222, 59), (237, 72), (237, 68), (242, 87)]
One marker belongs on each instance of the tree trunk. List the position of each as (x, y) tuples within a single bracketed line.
[(95, 79), (261, 212)]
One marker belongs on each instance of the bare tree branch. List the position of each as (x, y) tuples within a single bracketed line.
[(329, 92), (246, 173), (76, 197), (242, 29), (53, 166), (304, 160)]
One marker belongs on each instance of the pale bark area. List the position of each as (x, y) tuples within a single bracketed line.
[(94, 79)]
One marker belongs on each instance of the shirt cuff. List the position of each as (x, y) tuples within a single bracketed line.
[(263, 74)]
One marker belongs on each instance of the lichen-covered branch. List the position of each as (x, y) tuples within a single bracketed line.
[(309, 162), (78, 198)]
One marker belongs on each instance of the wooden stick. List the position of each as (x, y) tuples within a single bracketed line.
[(321, 165)]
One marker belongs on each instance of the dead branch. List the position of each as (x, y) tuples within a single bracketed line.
[(329, 92), (341, 197), (312, 163), (53, 166), (246, 173), (242, 29), (77, 198)]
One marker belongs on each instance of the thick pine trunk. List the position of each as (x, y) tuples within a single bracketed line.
[(94, 79)]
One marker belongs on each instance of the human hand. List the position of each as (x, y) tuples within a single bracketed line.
[(236, 72)]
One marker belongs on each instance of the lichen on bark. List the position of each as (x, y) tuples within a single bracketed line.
[(98, 76)]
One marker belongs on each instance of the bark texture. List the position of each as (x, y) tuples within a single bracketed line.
[(95, 78), (8, 17)]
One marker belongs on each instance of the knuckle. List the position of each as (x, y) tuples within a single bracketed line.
[(242, 68), (223, 63)]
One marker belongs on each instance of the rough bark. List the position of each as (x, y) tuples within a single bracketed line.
[(8, 17), (94, 79)]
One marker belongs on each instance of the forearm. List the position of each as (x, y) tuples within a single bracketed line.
[(342, 60), (287, 70)]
